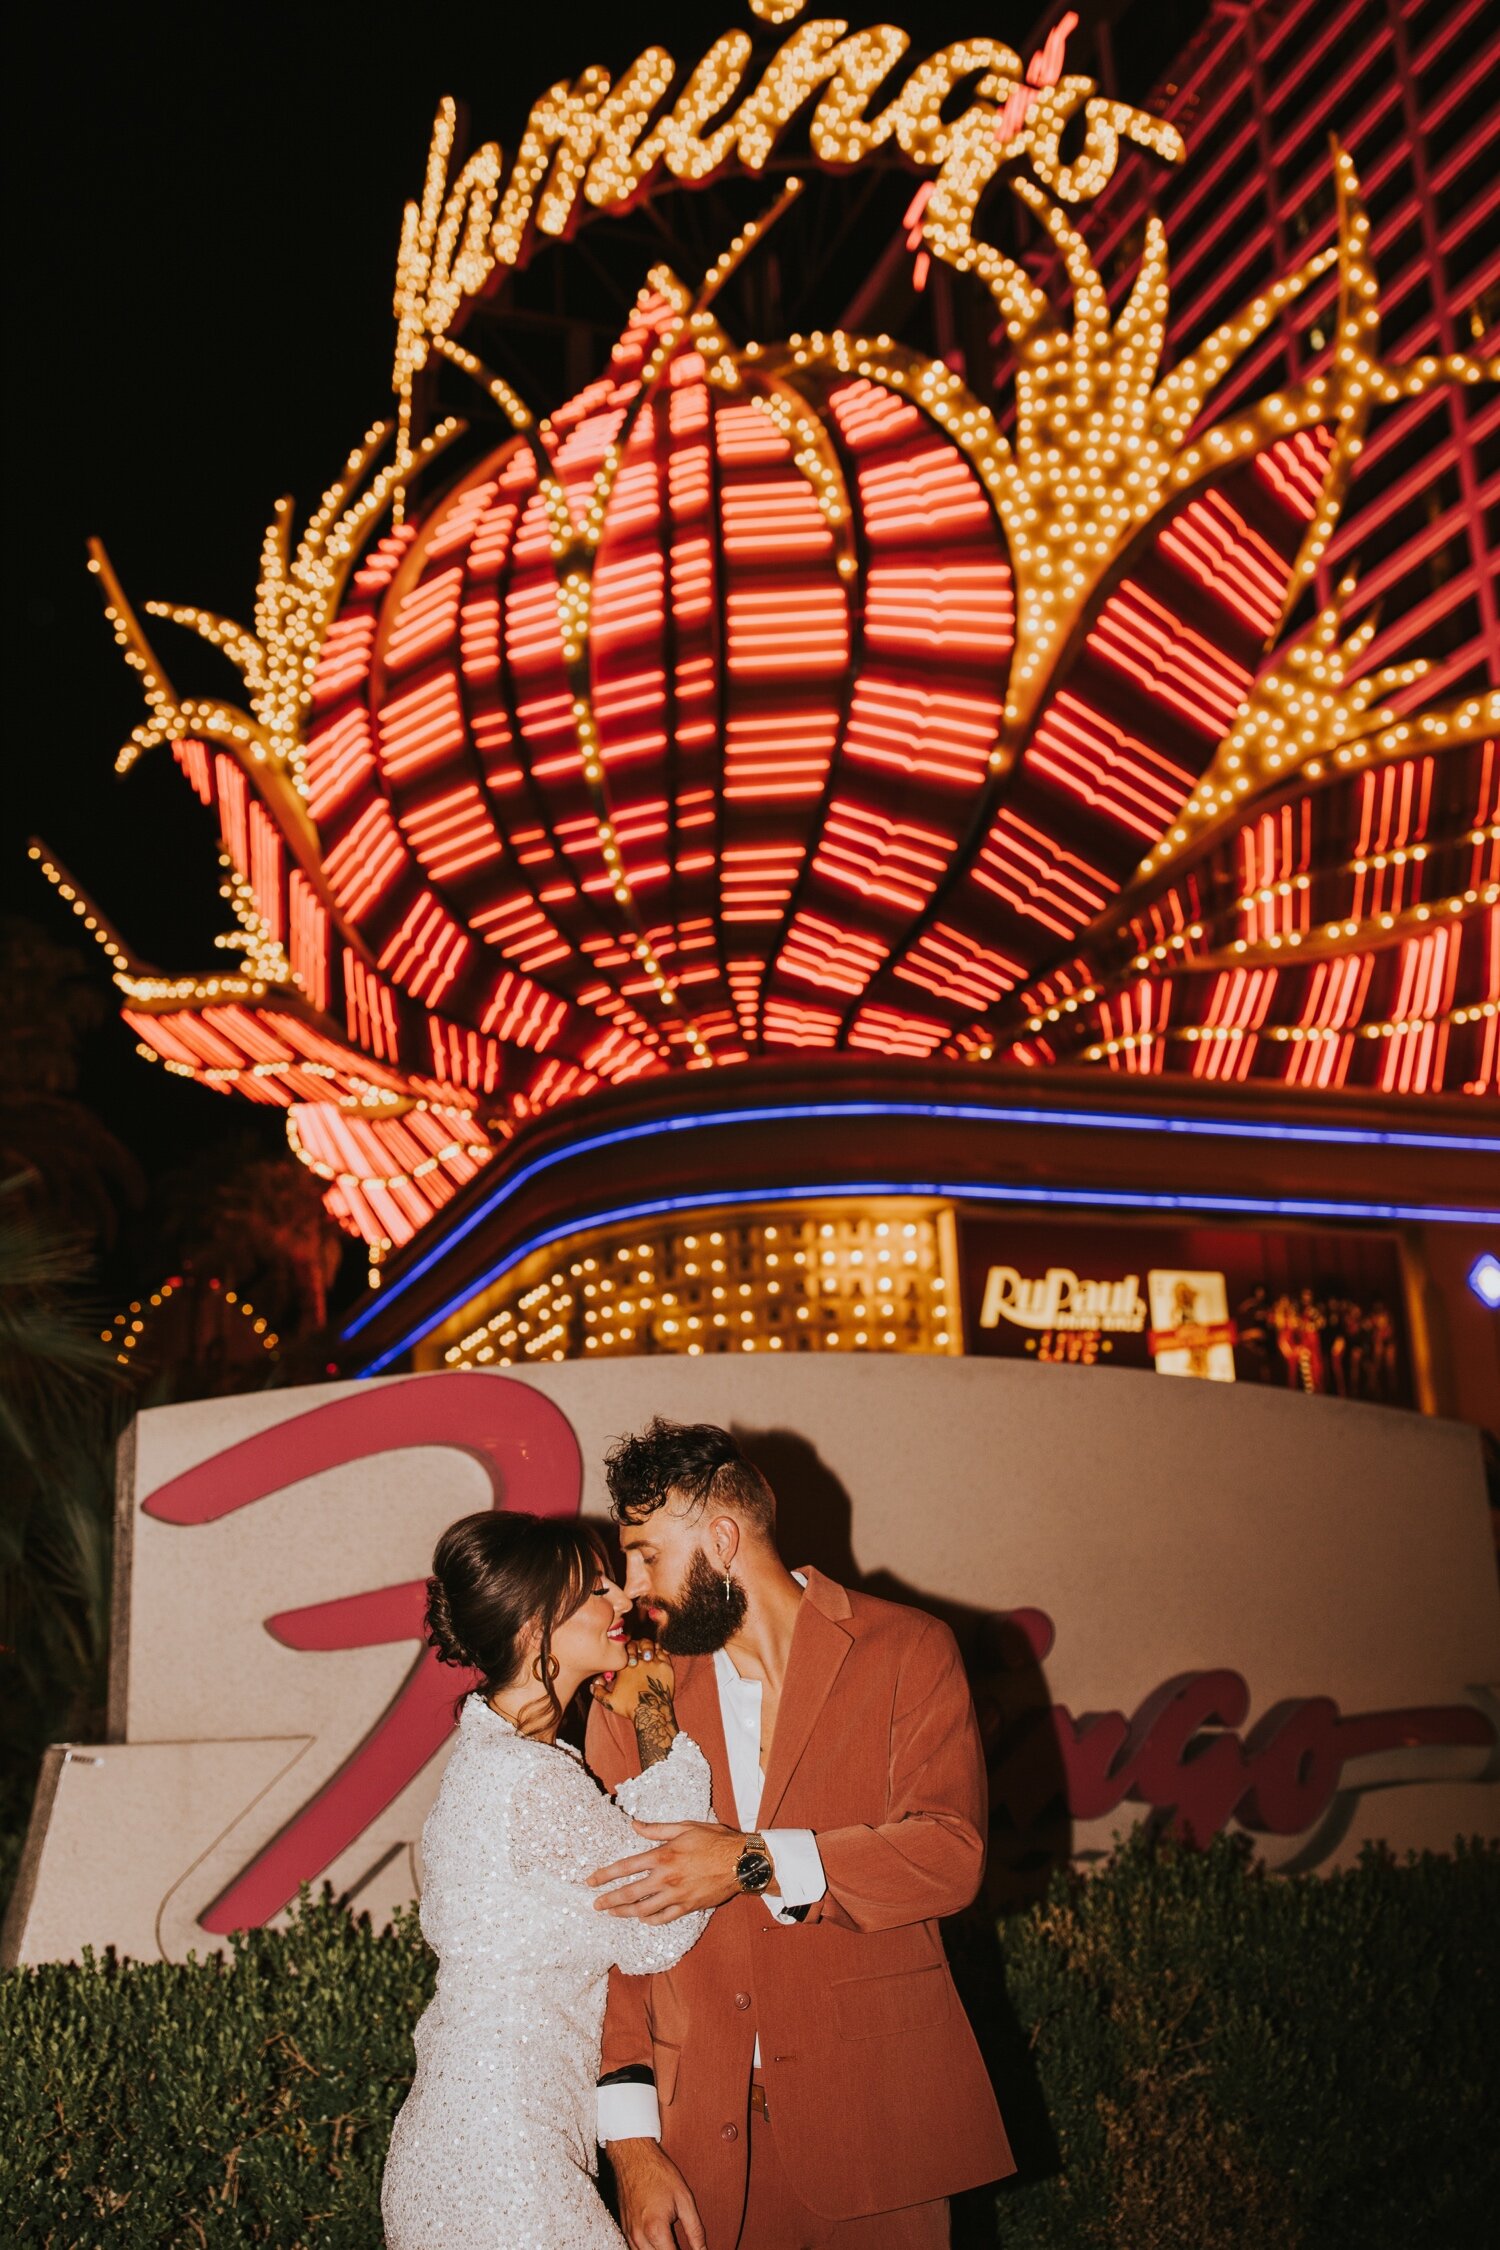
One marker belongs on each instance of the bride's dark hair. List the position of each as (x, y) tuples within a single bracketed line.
[(494, 1575)]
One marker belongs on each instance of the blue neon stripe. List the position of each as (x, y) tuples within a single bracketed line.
[(1118, 1199), (965, 1112)]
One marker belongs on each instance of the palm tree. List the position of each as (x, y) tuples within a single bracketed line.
[(50, 1001), (58, 1419), (256, 1219)]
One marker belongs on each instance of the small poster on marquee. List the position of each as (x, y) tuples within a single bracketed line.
[(1304, 1310), (1191, 1331)]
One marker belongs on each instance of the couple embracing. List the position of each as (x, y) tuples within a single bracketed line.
[(729, 1971)]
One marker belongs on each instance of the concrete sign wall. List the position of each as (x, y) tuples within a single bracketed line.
[(1185, 1601)]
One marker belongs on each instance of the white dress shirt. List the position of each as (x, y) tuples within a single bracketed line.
[(628, 2113)]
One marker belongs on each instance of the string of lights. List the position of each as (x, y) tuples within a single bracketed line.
[(129, 1331)]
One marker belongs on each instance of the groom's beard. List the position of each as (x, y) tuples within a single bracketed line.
[(704, 1616)]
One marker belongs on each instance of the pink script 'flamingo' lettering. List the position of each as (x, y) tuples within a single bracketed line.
[(1181, 1754), (528, 1451)]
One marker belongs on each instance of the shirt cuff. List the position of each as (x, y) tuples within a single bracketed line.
[(800, 1879), (629, 2113)]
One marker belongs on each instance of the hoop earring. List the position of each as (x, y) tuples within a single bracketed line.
[(552, 1668)]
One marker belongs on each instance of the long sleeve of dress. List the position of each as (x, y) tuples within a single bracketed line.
[(563, 1826)]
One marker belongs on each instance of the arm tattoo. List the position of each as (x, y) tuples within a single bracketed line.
[(655, 1723)]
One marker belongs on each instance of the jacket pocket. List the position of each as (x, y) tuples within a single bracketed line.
[(878, 2007), (664, 2061)]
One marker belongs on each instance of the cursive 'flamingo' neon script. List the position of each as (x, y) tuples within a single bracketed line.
[(606, 140)]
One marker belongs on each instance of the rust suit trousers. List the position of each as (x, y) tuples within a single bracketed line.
[(776, 2218)]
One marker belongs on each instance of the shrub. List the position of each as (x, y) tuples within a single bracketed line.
[(216, 2103), (1193, 2055), (1263, 2061)]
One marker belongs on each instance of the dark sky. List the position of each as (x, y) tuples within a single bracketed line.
[(203, 228)]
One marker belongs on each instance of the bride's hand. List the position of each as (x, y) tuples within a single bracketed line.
[(645, 1667)]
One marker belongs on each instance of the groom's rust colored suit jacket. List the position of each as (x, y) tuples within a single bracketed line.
[(875, 2087)]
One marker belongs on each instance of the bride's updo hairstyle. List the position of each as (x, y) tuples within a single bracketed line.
[(494, 1577)]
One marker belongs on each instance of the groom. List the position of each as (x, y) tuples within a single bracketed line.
[(806, 2075)]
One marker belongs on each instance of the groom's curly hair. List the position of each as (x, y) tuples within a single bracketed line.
[(694, 1463)]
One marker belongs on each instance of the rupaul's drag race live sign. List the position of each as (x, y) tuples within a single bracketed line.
[(1215, 1605)]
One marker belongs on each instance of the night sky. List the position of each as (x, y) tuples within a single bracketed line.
[(203, 234)]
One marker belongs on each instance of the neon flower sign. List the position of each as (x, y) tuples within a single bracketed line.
[(776, 698)]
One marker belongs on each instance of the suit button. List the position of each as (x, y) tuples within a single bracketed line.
[(729, 2132), (742, 1999)]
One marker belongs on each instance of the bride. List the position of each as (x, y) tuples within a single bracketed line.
[(494, 2148)]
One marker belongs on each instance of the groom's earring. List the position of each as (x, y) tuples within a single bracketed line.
[(728, 1586)]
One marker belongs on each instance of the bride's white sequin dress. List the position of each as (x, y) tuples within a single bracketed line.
[(494, 2148)]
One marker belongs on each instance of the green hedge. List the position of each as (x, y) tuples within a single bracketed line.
[(1191, 2054)]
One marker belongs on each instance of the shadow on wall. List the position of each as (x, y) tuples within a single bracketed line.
[(1030, 1830)]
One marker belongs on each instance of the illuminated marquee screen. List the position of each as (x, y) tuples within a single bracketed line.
[(1320, 1313)]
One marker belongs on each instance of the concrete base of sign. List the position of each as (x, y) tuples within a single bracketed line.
[(1303, 1588), (174, 1820)]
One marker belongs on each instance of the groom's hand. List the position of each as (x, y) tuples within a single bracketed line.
[(653, 2193), (692, 1867)]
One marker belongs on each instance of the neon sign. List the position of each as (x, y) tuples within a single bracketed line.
[(1061, 1300), (778, 696), (602, 142)]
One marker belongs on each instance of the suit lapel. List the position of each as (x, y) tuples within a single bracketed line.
[(698, 1714), (819, 1646)]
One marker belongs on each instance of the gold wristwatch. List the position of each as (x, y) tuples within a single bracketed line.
[(755, 1868)]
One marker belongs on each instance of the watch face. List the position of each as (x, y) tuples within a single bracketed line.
[(753, 1871)]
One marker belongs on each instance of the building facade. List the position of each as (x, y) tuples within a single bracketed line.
[(969, 827)]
